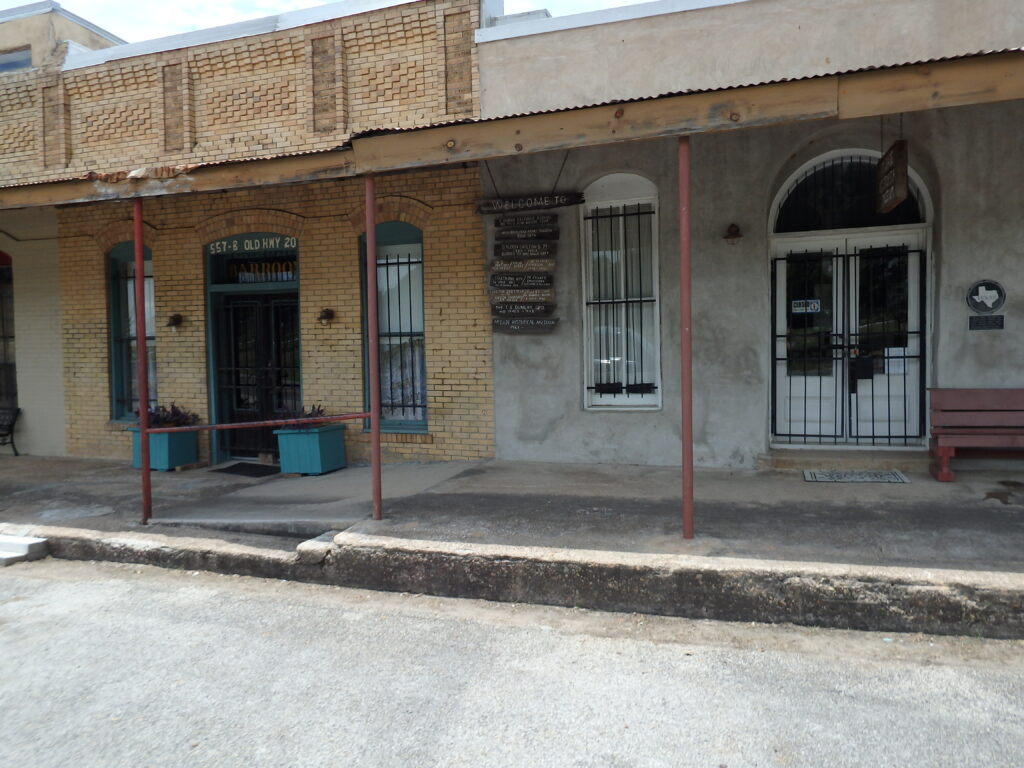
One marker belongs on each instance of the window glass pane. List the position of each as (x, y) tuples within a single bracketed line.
[(809, 321), (123, 368), (882, 303), (622, 312), (606, 244), (403, 383), (403, 379)]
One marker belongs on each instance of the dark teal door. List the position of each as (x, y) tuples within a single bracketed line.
[(256, 367)]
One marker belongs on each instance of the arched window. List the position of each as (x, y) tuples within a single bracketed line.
[(840, 193), (403, 365), (620, 293), (123, 383)]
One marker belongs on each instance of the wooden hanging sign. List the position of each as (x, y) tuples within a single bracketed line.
[(893, 172), (526, 265), (544, 249), (527, 233), (527, 296), (523, 309), (524, 280), (524, 324), (527, 220), (537, 202)]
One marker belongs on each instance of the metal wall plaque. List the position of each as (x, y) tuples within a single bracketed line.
[(892, 173), (527, 233), (527, 220), (515, 250), (526, 265), (986, 322), (528, 296), (522, 309), (524, 324), (986, 297), (538, 202), (524, 280)]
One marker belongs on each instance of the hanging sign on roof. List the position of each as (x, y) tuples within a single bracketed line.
[(529, 202), (892, 173)]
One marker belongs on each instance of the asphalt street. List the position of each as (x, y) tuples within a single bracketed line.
[(114, 665)]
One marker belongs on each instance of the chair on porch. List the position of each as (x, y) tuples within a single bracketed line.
[(8, 418)]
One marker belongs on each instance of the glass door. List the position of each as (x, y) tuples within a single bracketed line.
[(848, 346), (257, 368)]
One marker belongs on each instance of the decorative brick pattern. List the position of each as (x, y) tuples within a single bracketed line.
[(252, 103), (458, 63), (174, 108), (325, 84), (252, 97), (55, 119), (327, 219), (128, 118)]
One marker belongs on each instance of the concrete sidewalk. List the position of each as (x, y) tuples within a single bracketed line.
[(770, 547)]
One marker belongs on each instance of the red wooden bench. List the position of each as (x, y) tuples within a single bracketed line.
[(974, 419)]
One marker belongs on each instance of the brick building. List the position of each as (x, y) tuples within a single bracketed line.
[(729, 131), (261, 272)]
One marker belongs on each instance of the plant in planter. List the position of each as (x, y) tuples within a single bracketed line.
[(311, 449), (168, 450)]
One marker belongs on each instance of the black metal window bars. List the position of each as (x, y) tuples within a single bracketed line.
[(621, 303), (403, 378)]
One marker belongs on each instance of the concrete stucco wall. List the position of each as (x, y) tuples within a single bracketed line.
[(968, 160), (736, 44), (38, 354), (44, 32)]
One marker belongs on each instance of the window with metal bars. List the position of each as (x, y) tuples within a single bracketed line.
[(621, 333), (123, 382), (403, 371)]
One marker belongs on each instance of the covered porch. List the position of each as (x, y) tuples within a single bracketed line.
[(975, 524)]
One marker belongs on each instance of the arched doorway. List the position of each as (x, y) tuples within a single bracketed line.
[(848, 299)]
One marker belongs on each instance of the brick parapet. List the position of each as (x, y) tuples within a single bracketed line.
[(300, 90)]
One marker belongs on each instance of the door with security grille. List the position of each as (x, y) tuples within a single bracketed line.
[(257, 368), (848, 346)]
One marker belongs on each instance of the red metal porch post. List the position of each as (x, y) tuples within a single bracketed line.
[(685, 336), (373, 338), (141, 358)]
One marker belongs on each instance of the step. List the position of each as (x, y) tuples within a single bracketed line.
[(913, 460), (10, 558), (14, 549)]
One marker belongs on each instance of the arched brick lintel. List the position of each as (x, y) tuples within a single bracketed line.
[(394, 208), (250, 220), (122, 231)]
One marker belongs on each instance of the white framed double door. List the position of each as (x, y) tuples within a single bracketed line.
[(848, 338)]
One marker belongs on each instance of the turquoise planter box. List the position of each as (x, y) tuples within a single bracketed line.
[(312, 451), (167, 450)]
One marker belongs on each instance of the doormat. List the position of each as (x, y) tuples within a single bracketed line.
[(855, 476), (249, 469)]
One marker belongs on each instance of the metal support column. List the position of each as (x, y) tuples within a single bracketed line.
[(685, 335), (141, 358), (373, 338)]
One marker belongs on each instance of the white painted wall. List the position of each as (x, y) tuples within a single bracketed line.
[(29, 237), (727, 45)]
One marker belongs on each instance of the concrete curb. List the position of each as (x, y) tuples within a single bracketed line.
[(815, 594)]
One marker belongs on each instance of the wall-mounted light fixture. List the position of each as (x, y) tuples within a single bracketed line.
[(732, 234), (174, 322), (326, 316)]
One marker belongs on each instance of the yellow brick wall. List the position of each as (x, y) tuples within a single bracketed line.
[(299, 90), (327, 219)]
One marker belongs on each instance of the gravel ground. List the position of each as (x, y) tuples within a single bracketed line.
[(114, 665)]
